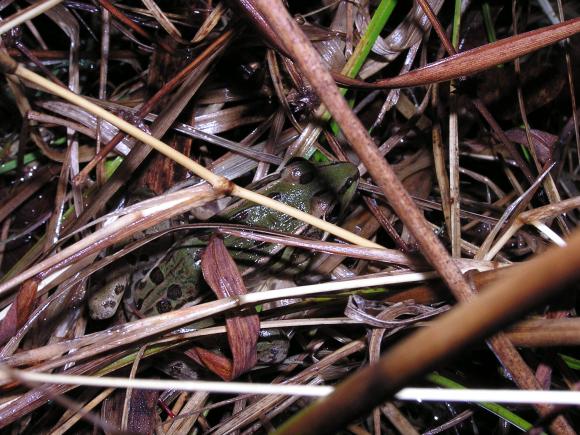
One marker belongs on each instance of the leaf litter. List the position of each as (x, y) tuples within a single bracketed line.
[(216, 83)]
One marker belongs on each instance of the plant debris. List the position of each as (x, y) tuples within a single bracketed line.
[(288, 193)]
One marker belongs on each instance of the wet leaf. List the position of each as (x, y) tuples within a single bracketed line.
[(142, 411), (19, 310), (218, 364), (243, 326), (543, 142)]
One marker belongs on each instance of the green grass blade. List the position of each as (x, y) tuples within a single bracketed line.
[(494, 408)]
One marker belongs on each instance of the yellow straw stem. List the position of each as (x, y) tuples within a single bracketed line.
[(335, 230), (222, 184)]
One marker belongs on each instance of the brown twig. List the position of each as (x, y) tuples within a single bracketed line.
[(437, 26), (546, 332), (322, 81)]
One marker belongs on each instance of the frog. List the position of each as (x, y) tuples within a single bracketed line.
[(173, 279)]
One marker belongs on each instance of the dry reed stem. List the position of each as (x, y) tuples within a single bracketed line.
[(382, 173), (527, 285)]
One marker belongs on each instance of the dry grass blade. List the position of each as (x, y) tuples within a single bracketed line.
[(534, 217), (70, 422), (454, 193), (442, 178), (136, 221), (510, 214), (211, 21), (221, 184), (162, 19), (386, 255), (26, 14), (186, 126)]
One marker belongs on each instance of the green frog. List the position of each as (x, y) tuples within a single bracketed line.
[(166, 282)]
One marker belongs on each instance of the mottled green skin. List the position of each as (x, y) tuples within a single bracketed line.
[(176, 278)]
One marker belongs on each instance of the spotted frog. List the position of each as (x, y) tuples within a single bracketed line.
[(169, 281)]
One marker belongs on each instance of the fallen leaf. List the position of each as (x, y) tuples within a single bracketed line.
[(19, 311), (242, 326)]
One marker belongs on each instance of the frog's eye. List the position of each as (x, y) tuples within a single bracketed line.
[(298, 173)]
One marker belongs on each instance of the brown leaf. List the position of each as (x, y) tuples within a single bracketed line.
[(543, 142), (19, 311), (218, 364), (243, 326), (142, 411)]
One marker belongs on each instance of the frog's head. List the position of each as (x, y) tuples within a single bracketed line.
[(334, 183)]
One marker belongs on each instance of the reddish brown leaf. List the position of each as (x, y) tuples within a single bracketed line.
[(543, 142), (19, 311), (243, 326), (218, 364)]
